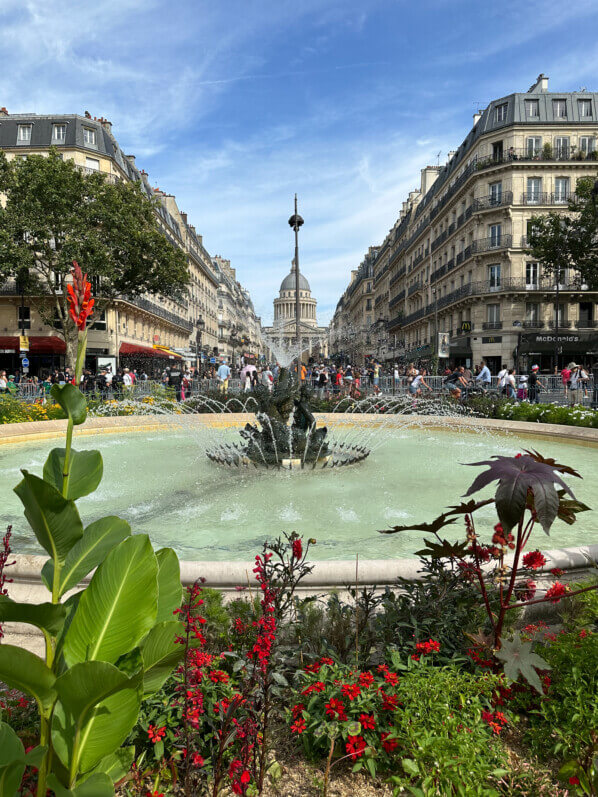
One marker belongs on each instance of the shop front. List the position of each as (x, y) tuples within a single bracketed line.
[(46, 353), (536, 348), (151, 359), (460, 353)]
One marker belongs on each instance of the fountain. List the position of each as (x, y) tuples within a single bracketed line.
[(288, 437)]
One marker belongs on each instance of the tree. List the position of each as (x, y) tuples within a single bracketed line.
[(570, 240), (55, 213)]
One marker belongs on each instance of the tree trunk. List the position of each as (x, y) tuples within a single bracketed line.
[(71, 336)]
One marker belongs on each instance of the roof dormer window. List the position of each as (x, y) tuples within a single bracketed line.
[(58, 134), (585, 108), (24, 134), (559, 109), (501, 112), (89, 137), (532, 109)]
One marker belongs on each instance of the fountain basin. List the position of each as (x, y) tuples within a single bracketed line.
[(158, 477)]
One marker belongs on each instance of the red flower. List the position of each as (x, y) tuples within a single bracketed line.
[(556, 592), (327, 660), (219, 676), (245, 777), (317, 687), (368, 721), (556, 571), (351, 691), (534, 560), (297, 709), (574, 780), (299, 725), (389, 702), (297, 549), (431, 646), (388, 744), (197, 760), (155, 734), (355, 746), (79, 297), (336, 708), (392, 678)]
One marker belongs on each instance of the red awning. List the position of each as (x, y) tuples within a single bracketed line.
[(9, 343), (132, 349), (46, 344)]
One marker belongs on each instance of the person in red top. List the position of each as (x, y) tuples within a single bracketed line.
[(565, 377)]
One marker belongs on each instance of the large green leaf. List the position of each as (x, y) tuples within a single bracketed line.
[(54, 520), (170, 591), (84, 692), (161, 653), (116, 765), (91, 550), (97, 785), (519, 660), (22, 670), (118, 607), (71, 400), (46, 616), (85, 471), (12, 764)]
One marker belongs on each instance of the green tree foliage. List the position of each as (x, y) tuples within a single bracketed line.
[(570, 240), (56, 213)]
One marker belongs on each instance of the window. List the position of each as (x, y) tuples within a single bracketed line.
[(533, 146), (532, 312), (100, 321), (587, 144), (92, 163), (561, 147), (532, 108), (585, 108), (58, 134), (532, 275), (561, 190), (24, 317), (585, 314), (561, 313), (495, 193), (495, 234), (494, 276), (493, 313), (24, 134), (89, 136), (559, 109), (534, 190), (501, 112), (497, 151)]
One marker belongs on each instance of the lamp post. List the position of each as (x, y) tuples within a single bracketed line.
[(200, 325), (435, 295), (296, 222)]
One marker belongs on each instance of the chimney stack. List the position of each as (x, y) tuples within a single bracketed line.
[(541, 85), (476, 117), (131, 159), (3, 111)]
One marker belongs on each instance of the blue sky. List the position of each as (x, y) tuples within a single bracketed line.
[(234, 106)]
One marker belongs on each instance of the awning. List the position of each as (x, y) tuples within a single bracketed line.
[(168, 351), (9, 344), (578, 342), (46, 344), (133, 349)]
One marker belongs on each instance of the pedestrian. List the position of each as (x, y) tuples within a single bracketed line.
[(534, 385), (585, 380), (223, 377), (522, 388), (503, 375), (566, 376), (511, 384), (415, 388), (3, 381), (484, 377), (575, 384)]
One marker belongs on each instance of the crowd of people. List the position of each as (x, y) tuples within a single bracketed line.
[(326, 379)]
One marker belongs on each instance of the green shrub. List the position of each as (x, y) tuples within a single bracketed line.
[(565, 724)]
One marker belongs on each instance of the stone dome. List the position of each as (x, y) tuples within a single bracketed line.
[(288, 283)]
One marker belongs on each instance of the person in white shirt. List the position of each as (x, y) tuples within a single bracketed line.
[(503, 379), (127, 380)]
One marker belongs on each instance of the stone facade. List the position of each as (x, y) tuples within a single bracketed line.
[(455, 261), (146, 332)]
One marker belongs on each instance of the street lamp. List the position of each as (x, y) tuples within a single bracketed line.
[(296, 222), (201, 325)]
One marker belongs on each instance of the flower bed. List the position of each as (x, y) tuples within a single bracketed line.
[(504, 409)]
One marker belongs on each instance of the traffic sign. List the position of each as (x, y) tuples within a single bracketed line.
[(25, 362), (212, 360), (23, 343)]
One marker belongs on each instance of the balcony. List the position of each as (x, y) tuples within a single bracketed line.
[(155, 309), (562, 324), (396, 322), (533, 325), (460, 258), (586, 323), (417, 286), (490, 244), (492, 201), (525, 155), (492, 325), (543, 198)]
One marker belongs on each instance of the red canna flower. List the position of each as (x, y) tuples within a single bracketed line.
[(79, 297), (534, 560)]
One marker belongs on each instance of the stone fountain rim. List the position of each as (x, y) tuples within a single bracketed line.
[(29, 431)]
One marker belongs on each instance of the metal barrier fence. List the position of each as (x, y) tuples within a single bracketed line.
[(552, 391)]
